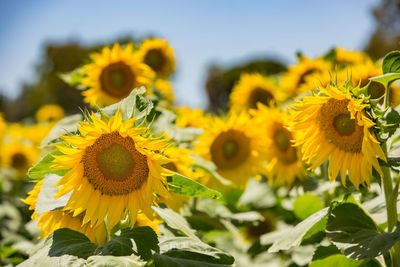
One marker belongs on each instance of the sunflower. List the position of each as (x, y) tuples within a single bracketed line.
[(284, 159), (113, 74), (252, 89), (112, 170), (180, 163), (158, 55), (143, 220), (345, 57), (295, 82), (56, 219), (19, 156), (31, 199), (186, 117), (234, 144), (335, 126), (50, 113), (165, 88)]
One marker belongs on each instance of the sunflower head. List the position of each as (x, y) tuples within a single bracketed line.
[(252, 89), (113, 74), (114, 170), (186, 117), (299, 78), (284, 162), (345, 57), (335, 126), (50, 113), (19, 156), (158, 55), (234, 145)]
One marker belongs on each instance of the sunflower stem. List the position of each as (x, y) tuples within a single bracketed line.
[(391, 208)]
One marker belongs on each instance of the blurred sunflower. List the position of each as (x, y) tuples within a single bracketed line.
[(234, 144), (113, 170), (294, 81), (19, 156), (158, 55), (50, 113), (335, 126), (360, 73), (345, 57), (252, 89), (253, 232), (186, 117), (165, 88), (113, 74), (284, 162), (180, 163)]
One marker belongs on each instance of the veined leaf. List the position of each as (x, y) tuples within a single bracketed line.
[(352, 230), (391, 62), (185, 186), (44, 167)]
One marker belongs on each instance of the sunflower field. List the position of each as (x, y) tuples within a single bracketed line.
[(302, 170)]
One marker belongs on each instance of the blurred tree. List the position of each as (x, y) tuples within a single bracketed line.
[(47, 87), (220, 81), (387, 32)]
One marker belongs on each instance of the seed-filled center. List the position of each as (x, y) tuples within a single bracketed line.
[(338, 126), (19, 161), (282, 139), (230, 149), (155, 59), (114, 166), (344, 124), (115, 161), (117, 79), (259, 95)]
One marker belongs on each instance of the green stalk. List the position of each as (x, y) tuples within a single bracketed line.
[(391, 209)]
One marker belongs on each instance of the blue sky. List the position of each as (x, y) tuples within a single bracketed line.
[(201, 32)]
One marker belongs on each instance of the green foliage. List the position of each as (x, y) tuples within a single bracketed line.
[(294, 236), (133, 106), (307, 204), (175, 221), (193, 249), (45, 201), (68, 242), (185, 186), (391, 63), (121, 244), (352, 230), (44, 167)]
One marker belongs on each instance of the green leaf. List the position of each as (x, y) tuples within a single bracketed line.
[(175, 221), (354, 232), (293, 237), (44, 167), (189, 248), (165, 261), (69, 242), (73, 78), (5, 252), (185, 186), (108, 261), (121, 245), (335, 261), (133, 106), (211, 169), (386, 79), (307, 204), (45, 201), (391, 63)]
